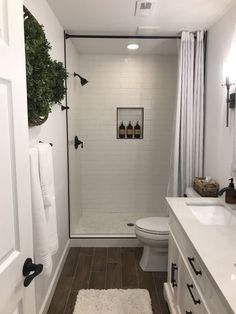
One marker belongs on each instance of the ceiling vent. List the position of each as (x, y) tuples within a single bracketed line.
[(144, 8), (148, 30)]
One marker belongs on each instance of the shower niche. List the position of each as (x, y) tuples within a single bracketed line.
[(129, 123)]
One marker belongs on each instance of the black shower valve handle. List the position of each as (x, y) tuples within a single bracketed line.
[(78, 143)]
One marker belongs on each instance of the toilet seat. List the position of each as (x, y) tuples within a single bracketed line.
[(140, 234), (153, 225)]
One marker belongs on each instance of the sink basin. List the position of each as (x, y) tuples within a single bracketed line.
[(212, 214)]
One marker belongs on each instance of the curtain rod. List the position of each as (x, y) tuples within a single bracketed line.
[(121, 36)]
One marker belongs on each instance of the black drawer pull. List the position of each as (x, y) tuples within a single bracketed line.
[(197, 272), (172, 279), (190, 287), (189, 312)]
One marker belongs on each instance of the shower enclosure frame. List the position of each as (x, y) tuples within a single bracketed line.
[(67, 36)]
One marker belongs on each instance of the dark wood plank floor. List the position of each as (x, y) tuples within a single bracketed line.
[(105, 268)]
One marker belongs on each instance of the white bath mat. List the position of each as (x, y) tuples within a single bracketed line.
[(113, 301)]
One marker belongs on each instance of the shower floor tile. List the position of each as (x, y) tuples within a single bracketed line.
[(112, 223)]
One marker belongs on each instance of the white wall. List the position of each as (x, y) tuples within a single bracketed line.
[(54, 130), (125, 175), (219, 139)]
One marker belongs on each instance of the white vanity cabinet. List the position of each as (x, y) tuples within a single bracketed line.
[(189, 289)]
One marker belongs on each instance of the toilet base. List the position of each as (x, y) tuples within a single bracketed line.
[(154, 259)]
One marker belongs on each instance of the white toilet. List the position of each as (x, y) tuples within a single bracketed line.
[(153, 233)]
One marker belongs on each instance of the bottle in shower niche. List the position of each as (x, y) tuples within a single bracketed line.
[(122, 130), (129, 130), (137, 130)]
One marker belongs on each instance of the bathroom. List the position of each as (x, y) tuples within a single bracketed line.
[(111, 182)]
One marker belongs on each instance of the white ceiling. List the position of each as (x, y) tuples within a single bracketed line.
[(116, 17)]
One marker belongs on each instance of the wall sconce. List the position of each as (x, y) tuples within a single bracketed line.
[(230, 99), (83, 80)]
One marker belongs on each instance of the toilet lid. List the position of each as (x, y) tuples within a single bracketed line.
[(157, 225)]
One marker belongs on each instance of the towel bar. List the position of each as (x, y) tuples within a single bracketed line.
[(48, 143)]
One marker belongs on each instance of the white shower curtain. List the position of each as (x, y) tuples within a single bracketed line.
[(187, 147)]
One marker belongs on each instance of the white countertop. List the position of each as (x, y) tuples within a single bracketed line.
[(214, 242)]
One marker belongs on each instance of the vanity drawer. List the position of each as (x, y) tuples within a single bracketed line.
[(190, 300), (191, 258)]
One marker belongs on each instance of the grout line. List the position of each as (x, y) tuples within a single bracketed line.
[(105, 284), (75, 272), (74, 276), (137, 268), (121, 265), (90, 273), (156, 290)]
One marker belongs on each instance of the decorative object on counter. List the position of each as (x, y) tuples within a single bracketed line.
[(206, 187), (122, 130), (129, 122), (230, 192), (45, 77), (129, 130), (83, 80), (230, 99), (137, 130)]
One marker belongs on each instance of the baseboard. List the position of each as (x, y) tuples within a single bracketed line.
[(115, 242), (52, 287)]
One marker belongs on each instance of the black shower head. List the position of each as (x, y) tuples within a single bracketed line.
[(83, 80)]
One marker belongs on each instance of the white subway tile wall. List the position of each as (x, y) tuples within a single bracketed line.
[(124, 176)]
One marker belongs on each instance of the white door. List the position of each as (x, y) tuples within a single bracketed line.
[(15, 206)]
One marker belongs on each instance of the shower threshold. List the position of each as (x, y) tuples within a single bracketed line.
[(107, 225), (103, 236)]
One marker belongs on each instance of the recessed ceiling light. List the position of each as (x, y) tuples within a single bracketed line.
[(133, 46)]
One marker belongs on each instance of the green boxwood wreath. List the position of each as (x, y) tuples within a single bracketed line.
[(45, 77)]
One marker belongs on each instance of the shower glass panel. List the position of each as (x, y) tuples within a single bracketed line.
[(114, 182)]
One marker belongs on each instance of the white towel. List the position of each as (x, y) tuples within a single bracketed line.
[(46, 174), (48, 191), (42, 253)]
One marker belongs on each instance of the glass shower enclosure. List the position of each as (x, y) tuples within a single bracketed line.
[(118, 174)]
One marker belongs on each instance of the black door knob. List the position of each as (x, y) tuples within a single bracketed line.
[(30, 271)]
